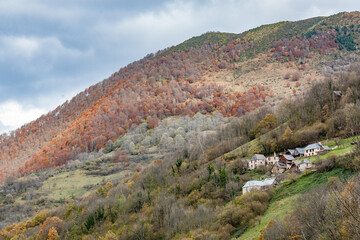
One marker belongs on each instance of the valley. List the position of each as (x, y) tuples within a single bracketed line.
[(159, 150)]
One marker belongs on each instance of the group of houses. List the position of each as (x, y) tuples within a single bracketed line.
[(288, 161), (281, 163)]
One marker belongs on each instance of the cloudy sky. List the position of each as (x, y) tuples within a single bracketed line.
[(50, 50)]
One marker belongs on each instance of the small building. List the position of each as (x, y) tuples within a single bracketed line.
[(278, 168), (259, 157), (313, 149), (301, 151), (271, 160), (292, 152), (250, 164), (259, 185), (256, 161), (287, 160), (301, 166)]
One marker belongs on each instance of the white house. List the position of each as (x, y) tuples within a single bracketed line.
[(313, 149), (259, 185)]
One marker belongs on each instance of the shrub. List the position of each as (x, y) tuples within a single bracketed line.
[(295, 76), (54, 223), (39, 218), (90, 222)]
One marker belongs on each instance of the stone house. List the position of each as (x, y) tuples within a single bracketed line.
[(287, 160), (256, 161), (313, 149), (278, 168), (271, 160), (301, 166)]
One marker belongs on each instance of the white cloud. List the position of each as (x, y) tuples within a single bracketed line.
[(14, 115), (52, 49), (31, 47), (37, 55), (63, 11)]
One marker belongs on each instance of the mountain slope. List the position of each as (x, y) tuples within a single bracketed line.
[(231, 73)]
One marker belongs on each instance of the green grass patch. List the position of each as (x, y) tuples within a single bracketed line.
[(340, 151), (332, 143), (277, 209), (73, 184), (246, 150), (285, 196), (306, 182)]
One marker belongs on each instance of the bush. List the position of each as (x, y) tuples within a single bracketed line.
[(90, 222), (54, 223), (325, 165), (295, 77)]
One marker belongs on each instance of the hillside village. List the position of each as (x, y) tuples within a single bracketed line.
[(292, 161)]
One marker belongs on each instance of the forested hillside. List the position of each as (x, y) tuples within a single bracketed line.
[(201, 75), (190, 189), (157, 150)]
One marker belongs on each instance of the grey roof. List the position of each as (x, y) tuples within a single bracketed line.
[(306, 161), (266, 182), (258, 157), (289, 157), (297, 163), (313, 146), (326, 148), (300, 150), (292, 152)]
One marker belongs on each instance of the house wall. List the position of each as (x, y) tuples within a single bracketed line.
[(271, 160), (312, 152), (261, 188), (305, 166), (248, 189), (251, 165), (276, 169), (294, 168), (255, 164)]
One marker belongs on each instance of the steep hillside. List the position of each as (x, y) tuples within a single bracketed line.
[(176, 180), (229, 73)]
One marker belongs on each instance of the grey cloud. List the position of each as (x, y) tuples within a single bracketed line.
[(53, 49)]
